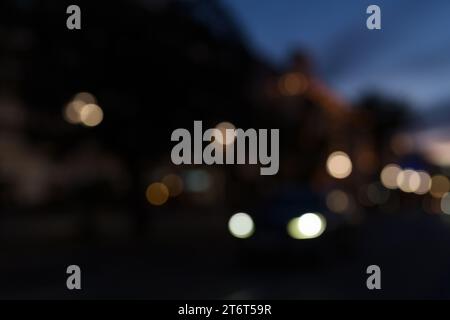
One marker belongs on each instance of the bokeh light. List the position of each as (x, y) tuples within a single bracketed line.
[(307, 226), (293, 83), (85, 97), (157, 193), (83, 109), (241, 225), (425, 183), (222, 127), (91, 115), (437, 151), (445, 203), (72, 111), (197, 180), (338, 201), (339, 165), (389, 176), (174, 184), (408, 180), (440, 185)]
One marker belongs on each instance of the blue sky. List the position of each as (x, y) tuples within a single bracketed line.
[(409, 58)]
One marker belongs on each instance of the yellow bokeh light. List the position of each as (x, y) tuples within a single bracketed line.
[(440, 185), (157, 193), (339, 165), (307, 226), (241, 225), (91, 115), (83, 109), (389, 176), (174, 184), (72, 111)]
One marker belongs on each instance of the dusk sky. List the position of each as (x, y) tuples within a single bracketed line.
[(409, 58)]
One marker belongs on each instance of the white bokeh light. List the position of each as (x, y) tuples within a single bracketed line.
[(241, 225), (307, 226)]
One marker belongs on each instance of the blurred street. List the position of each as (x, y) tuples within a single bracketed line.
[(88, 178)]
